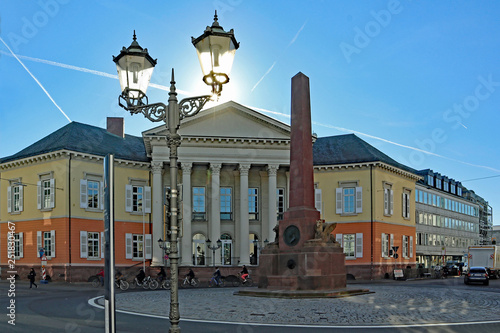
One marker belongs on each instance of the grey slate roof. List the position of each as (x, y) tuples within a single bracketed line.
[(347, 149), (85, 138)]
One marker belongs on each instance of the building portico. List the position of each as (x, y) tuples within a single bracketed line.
[(232, 181)]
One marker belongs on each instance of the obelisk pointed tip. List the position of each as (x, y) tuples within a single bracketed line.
[(299, 74)]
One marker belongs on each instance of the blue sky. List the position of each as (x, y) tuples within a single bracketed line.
[(419, 80)]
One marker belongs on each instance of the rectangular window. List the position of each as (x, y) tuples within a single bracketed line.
[(93, 245), (406, 204), (280, 203), (406, 246), (388, 199), (430, 180), (47, 243), (349, 242), (226, 212), (446, 186), (385, 245), (438, 183), (138, 197), (253, 204), (93, 194), (46, 192), (348, 200), (18, 245), (15, 197), (137, 246), (199, 212)]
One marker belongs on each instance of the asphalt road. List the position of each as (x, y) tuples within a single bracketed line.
[(59, 307)]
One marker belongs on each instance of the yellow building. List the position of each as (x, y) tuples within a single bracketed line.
[(371, 197)]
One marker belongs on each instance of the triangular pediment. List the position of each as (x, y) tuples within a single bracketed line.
[(229, 120)]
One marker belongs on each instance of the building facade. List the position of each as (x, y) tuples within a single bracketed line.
[(447, 223), (233, 180), (371, 198)]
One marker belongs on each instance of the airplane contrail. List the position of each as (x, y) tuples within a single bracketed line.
[(90, 71), (274, 63), (346, 130), (34, 78)]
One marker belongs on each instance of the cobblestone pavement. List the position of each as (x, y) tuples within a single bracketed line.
[(388, 305)]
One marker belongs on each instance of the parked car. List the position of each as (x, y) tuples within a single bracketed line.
[(477, 274)]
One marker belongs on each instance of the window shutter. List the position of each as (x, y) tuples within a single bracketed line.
[(83, 195), (21, 245), (147, 246), (411, 246), (338, 197), (39, 196), (408, 214), (383, 241), (318, 199), (53, 243), (386, 201), (9, 199), (21, 198), (392, 202), (359, 245), (147, 199), (52, 193), (391, 244), (38, 243), (101, 195), (359, 199), (403, 200), (102, 244), (128, 199), (83, 244), (338, 238), (128, 246)]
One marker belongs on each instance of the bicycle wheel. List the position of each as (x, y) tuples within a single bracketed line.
[(124, 285), (211, 283), (248, 283), (165, 284), (236, 283), (95, 283), (153, 284), (145, 284), (133, 284)]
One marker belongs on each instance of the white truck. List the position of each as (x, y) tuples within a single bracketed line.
[(486, 256)]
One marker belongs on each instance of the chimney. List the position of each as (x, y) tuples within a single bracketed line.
[(115, 125)]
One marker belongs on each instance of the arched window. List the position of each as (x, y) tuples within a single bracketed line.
[(227, 249), (199, 250)]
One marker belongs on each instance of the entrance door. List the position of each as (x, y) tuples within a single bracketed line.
[(227, 249)]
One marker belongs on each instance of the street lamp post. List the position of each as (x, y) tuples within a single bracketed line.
[(216, 49), (259, 247), (213, 248)]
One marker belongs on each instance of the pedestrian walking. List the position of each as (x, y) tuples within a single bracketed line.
[(31, 277)]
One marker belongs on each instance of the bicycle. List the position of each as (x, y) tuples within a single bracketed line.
[(248, 282), (147, 283), (163, 283), (214, 283), (194, 282), (119, 283)]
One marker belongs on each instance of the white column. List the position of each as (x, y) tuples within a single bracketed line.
[(215, 210), (157, 210), (244, 223), (272, 171), (186, 241)]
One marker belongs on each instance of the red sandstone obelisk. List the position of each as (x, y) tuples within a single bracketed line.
[(297, 260), (301, 212)]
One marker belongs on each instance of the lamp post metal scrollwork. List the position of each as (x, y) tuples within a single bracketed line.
[(215, 48), (214, 248)]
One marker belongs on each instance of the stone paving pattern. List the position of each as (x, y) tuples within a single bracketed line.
[(388, 305)]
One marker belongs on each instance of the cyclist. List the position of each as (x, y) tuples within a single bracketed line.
[(162, 275), (244, 273), (141, 276), (217, 275), (190, 275), (101, 276)]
